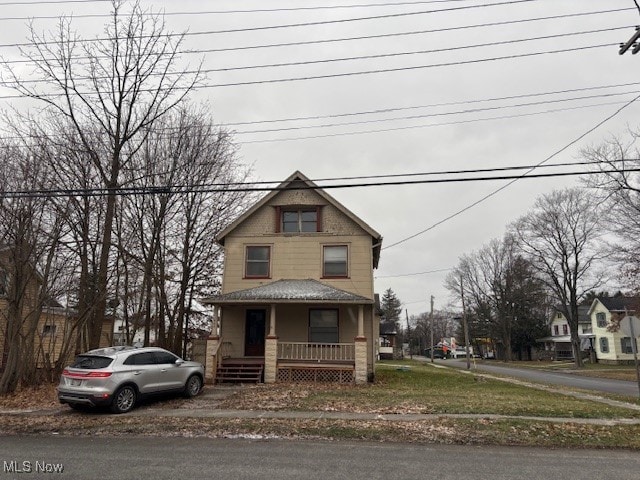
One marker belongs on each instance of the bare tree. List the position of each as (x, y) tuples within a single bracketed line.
[(561, 237), (169, 236), (501, 292), (107, 92), (618, 186)]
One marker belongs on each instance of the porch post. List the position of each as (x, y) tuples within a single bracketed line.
[(361, 349), (211, 355), (271, 349)]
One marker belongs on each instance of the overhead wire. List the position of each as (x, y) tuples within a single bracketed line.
[(299, 24), (428, 125), (360, 57), (224, 188), (511, 182)]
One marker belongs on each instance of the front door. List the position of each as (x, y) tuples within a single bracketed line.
[(254, 332)]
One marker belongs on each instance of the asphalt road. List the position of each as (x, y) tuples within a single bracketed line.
[(230, 459), (619, 387)]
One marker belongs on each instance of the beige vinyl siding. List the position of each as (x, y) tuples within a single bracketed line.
[(300, 257)]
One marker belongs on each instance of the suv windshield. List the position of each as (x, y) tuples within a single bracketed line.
[(91, 362)]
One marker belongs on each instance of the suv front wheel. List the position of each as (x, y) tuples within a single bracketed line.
[(124, 399), (193, 386)]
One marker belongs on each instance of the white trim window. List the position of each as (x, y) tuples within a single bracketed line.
[(335, 261), (257, 261)]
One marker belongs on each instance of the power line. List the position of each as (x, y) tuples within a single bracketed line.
[(432, 105), (300, 24), (413, 274), (429, 125), (218, 12), (50, 2), (525, 175), (409, 68), (363, 37), (431, 115), (173, 189), (367, 57), (351, 74), (416, 52)]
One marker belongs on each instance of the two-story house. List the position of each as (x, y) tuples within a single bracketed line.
[(558, 344), (297, 299), (612, 345)]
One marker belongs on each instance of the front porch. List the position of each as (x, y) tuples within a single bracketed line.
[(295, 362), (301, 330)]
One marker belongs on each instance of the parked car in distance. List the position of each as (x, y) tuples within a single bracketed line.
[(437, 353), (459, 352), (118, 377)]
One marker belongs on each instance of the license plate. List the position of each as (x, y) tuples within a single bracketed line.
[(75, 383)]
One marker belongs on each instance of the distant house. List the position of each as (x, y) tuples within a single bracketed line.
[(557, 346), (297, 300), (54, 325), (388, 348), (612, 345)]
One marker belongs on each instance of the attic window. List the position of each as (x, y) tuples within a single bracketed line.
[(601, 319), (297, 220)]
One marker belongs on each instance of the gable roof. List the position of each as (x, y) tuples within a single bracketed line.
[(583, 313), (297, 176), (295, 291), (618, 304)]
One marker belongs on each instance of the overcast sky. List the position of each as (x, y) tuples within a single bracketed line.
[(437, 95)]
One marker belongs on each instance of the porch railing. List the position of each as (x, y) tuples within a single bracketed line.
[(318, 352)]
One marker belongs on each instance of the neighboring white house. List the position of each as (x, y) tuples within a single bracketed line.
[(612, 346), (558, 344)]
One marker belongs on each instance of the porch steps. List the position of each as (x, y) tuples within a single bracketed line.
[(239, 373)]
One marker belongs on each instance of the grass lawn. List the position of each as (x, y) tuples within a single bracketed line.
[(415, 387), (400, 387)]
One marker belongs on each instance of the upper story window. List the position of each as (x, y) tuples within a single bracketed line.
[(565, 329), (556, 330), (299, 220), (587, 329), (335, 261), (258, 261), (601, 319)]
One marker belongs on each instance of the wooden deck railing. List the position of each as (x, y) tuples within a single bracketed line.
[(318, 352)]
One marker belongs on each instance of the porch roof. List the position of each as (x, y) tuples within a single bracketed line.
[(290, 291)]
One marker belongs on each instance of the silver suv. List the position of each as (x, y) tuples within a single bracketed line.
[(119, 376)]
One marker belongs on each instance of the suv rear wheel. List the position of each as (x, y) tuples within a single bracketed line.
[(124, 399)]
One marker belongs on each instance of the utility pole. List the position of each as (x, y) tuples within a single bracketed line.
[(406, 312), (465, 326), (431, 323), (632, 42)]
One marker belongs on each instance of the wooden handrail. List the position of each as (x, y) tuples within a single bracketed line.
[(320, 352)]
